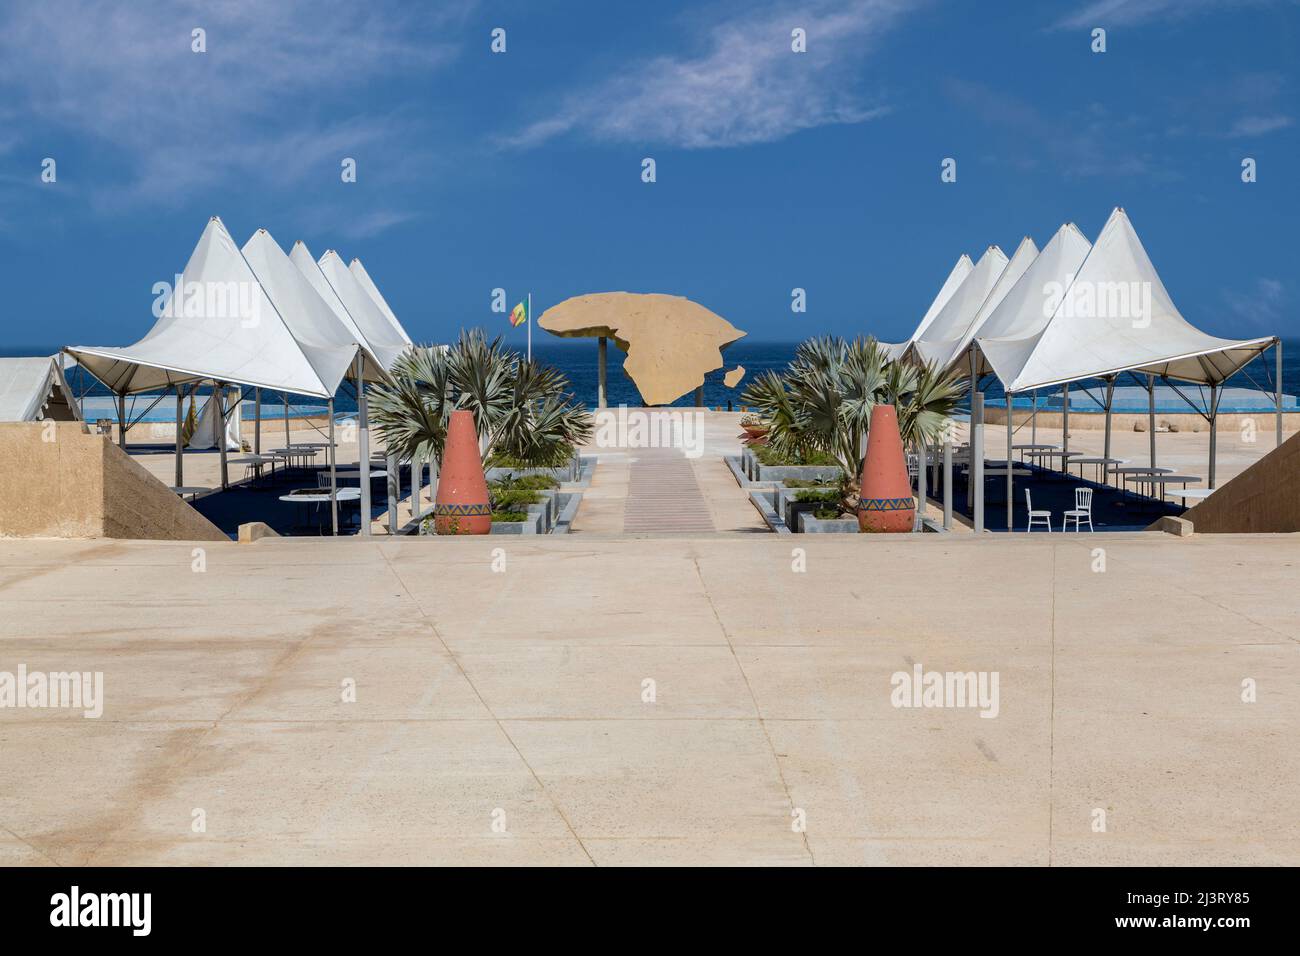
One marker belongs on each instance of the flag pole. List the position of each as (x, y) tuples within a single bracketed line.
[(530, 326)]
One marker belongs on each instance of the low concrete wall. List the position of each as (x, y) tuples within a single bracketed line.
[(1265, 498), (56, 481), (1127, 422)]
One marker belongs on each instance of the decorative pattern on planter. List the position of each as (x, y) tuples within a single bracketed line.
[(462, 505), (885, 502)]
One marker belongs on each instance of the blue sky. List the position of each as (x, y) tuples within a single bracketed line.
[(522, 170)]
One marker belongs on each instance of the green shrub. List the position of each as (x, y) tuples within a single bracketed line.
[(828, 495), (768, 456), (514, 498), (826, 514), (509, 516)]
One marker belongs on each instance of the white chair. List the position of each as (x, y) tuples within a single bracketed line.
[(1044, 516), (1082, 509)]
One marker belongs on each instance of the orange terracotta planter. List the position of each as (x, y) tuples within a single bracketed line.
[(886, 503), (461, 505)]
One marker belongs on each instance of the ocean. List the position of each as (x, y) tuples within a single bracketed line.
[(578, 363)]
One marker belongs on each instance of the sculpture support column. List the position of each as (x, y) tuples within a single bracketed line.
[(602, 351)]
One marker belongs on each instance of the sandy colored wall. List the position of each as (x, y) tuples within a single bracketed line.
[(1264, 498), (58, 482), (1190, 422)]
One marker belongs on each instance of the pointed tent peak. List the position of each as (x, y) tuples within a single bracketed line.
[(1118, 316), (359, 272), (326, 342), (961, 309), (232, 332), (953, 349), (348, 294), (960, 270)]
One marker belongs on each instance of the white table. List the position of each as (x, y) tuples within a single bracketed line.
[(1190, 494), (193, 491), (254, 463), (352, 474), (1166, 479), (322, 496), (292, 452), (1100, 461), (1034, 450), (1065, 457)]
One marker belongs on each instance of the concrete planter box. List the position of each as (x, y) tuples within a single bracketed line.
[(789, 508), (572, 471), (801, 472), (534, 525), (810, 525)]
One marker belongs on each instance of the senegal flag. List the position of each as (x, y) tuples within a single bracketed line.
[(520, 315)]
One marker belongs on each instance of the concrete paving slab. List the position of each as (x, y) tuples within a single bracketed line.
[(519, 690)]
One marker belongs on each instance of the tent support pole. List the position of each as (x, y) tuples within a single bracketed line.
[(121, 420), (1110, 396), (257, 421), (1214, 417), (219, 396), (1033, 421), (922, 492), (180, 454), (287, 439), (947, 485), (1065, 425), (975, 490), (1010, 480), (394, 485), (601, 353), (363, 448), (1151, 415), (1277, 349), (334, 475)]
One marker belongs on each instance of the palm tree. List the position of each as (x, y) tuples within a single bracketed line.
[(522, 409), (823, 401)]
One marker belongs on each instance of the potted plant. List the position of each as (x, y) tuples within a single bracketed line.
[(755, 427)]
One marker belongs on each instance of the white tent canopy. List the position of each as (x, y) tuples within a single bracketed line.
[(1117, 316), (220, 326), (946, 352), (32, 390), (351, 299), (956, 277), (363, 277), (329, 345), (960, 310), (1007, 336)]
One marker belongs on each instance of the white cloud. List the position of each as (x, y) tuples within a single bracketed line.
[(1259, 125), (267, 103), (1114, 13), (742, 85), (1261, 305)]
